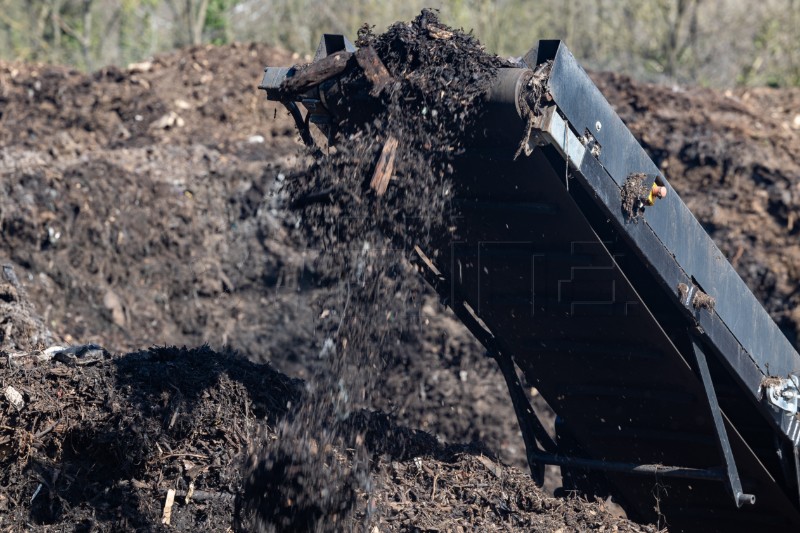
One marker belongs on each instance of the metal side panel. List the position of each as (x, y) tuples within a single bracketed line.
[(650, 249), (532, 267), (670, 220)]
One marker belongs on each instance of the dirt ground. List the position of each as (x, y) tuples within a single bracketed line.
[(142, 208)]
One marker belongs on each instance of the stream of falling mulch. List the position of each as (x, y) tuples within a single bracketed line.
[(366, 210)]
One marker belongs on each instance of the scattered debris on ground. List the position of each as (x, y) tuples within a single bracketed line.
[(99, 445)]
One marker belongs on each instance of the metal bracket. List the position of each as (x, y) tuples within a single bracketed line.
[(783, 393), (734, 482), (532, 429), (313, 100), (656, 470), (301, 123), (556, 131)]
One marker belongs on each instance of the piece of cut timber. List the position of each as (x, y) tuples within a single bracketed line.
[(316, 73), (385, 167), (170, 501), (374, 69)]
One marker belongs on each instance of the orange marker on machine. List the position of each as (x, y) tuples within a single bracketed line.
[(656, 192)]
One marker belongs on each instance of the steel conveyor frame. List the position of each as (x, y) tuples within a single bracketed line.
[(598, 155), (684, 412)]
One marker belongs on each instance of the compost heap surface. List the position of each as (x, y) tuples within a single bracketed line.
[(142, 206)]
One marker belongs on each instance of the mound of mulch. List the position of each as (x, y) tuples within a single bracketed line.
[(205, 95), (97, 444)]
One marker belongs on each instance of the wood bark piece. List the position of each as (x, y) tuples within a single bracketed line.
[(199, 496), (374, 69), (316, 73), (385, 167), (170, 501), (439, 33)]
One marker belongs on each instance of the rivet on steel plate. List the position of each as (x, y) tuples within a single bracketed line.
[(783, 392)]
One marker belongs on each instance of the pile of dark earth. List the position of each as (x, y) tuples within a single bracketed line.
[(162, 439), (142, 206)]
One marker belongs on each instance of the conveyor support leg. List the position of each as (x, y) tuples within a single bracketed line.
[(734, 483)]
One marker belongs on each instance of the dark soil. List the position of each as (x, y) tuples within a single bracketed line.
[(97, 446), (140, 207), (633, 194), (702, 300)]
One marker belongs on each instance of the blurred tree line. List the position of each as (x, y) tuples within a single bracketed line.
[(705, 42)]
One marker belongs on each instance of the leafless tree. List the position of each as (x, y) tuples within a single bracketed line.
[(192, 16)]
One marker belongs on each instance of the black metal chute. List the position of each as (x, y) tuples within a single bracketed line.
[(607, 294)]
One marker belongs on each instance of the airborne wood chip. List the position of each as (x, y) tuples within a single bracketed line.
[(385, 167)]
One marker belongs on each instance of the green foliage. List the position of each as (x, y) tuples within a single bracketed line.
[(217, 25), (136, 37), (715, 43)]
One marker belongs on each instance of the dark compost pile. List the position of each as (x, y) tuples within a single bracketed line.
[(150, 206)]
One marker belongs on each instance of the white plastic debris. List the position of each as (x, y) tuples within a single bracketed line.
[(14, 397), (51, 351), (170, 120), (143, 66)]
